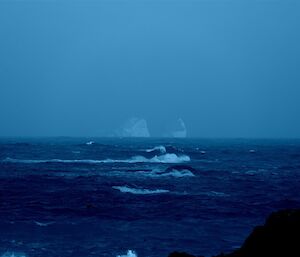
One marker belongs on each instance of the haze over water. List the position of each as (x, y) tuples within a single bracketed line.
[(154, 196), (102, 104), (82, 68)]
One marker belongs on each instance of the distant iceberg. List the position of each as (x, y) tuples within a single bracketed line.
[(134, 127), (180, 132), (177, 129), (138, 127)]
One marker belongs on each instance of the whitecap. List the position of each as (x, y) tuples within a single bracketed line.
[(49, 161), (165, 158), (90, 143), (130, 253), (251, 172), (171, 158), (216, 194), (43, 224), (139, 191), (173, 173), (160, 148)]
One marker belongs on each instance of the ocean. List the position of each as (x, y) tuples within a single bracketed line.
[(140, 197)]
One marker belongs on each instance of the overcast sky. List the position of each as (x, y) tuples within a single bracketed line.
[(81, 68)]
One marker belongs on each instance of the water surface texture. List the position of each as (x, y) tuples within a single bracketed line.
[(101, 197)]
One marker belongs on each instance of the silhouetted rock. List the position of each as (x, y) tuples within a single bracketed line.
[(280, 236), (178, 254)]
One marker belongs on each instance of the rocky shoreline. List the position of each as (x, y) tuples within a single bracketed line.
[(279, 236)]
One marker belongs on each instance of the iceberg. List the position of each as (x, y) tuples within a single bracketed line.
[(177, 130), (134, 127)]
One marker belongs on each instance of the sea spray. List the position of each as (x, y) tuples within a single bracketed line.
[(130, 253), (160, 148)]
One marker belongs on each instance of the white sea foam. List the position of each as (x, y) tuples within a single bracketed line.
[(165, 158), (50, 161), (130, 253), (43, 224), (140, 191), (216, 194), (160, 148), (172, 173), (90, 143)]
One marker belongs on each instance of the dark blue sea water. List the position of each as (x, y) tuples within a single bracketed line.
[(71, 197)]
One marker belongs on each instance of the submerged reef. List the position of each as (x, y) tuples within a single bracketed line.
[(279, 236)]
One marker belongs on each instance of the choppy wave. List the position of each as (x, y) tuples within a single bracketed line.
[(13, 254), (43, 224), (160, 148), (130, 253), (177, 171), (216, 194), (171, 173), (51, 161), (165, 158), (139, 191)]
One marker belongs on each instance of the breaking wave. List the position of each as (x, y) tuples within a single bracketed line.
[(139, 191), (172, 173), (160, 148), (130, 253), (43, 224), (51, 161), (215, 194), (165, 158)]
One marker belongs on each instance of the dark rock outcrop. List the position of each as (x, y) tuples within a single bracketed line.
[(180, 254), (280, 236)]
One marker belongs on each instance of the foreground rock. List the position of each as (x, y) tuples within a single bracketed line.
[(180, 254), (280, 236)]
